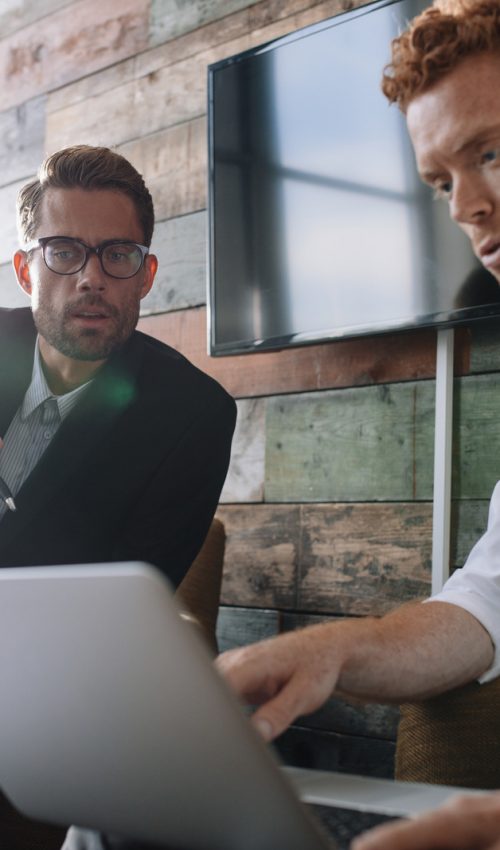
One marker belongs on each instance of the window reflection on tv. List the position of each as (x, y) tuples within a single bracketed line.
[(319, 226)]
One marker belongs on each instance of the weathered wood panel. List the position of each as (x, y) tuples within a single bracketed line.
[(171, 91), (485, 345), (344, 363), (241, 626), (180, 247), (22, 130), (468, 524), (476, 436), (364, 559), (11, 294), (78, 39), (16, 14), (260, 561), (338, 559), (169, 19), (351, 445), (174, 165), (245, 477)]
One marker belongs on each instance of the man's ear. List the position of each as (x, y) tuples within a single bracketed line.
[(21, 267), (150, 269)]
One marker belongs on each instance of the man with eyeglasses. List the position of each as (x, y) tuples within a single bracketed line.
[(114, 447)]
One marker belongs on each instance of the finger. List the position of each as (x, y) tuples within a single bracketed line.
[(470, 823), (275, 715)]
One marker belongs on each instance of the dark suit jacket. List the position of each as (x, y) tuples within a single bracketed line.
[(133, 473)]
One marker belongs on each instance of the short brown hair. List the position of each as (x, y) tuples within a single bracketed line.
[(85, 167), (435, 42)]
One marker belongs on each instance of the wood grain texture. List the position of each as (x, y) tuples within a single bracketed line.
[(75, 40), (476, 436), (165, 87), (337, 559), (173, 163), (344, 363), (169, 19), (245, 477), (180, 281), (16, 14), (22, 132), (355, 444)]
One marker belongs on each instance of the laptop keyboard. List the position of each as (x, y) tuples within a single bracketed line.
[(344, 824)]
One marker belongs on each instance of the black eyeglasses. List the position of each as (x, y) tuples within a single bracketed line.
[(63, 255)]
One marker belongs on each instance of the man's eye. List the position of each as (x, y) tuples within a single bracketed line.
[(63, 255), (489, 156), (442, 190)]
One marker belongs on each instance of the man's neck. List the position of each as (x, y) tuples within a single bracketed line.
[(62, 373)]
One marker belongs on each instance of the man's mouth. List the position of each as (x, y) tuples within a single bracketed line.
[(489, 253)]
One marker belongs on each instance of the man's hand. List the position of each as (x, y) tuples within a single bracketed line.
[(287, 676), (468, 822)]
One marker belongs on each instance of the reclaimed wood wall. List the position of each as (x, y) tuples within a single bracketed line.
[(327, 504)]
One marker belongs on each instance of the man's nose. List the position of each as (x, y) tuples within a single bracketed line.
[(92, 276), (471, 200)]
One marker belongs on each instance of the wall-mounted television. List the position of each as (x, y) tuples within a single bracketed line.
[(319, 227)]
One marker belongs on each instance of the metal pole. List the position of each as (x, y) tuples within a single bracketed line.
[(442, 459)]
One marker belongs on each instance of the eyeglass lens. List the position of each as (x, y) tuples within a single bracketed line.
[(67, 256)]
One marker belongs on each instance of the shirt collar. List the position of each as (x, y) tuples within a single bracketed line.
[(38, 392)]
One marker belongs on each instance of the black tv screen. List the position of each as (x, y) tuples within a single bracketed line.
[(319, 227)]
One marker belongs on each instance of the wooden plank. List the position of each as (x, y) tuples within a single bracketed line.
[(17, 14), (174, 165), (485, 348), (476, 436), (169, 19), (11, 294), (180, 282), (468, 524), (260, 561), (245, 477), (241, 626), (168, 93), (364, 559), (321, 750), (344, 363), (337, 559), (83, 37), (22, 131), (257, 24), (351, 445)]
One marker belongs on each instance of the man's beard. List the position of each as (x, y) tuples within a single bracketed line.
[(86, 343)]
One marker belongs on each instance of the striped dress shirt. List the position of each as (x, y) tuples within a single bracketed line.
[(32, 428)]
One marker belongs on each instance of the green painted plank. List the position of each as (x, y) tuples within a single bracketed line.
[(476, 436), (241, 626), (485, 345), (468, 524), (359, 444)]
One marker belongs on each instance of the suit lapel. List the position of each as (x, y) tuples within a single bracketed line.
[(109, 396)]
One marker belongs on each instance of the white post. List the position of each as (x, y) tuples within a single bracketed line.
[(442, 459)]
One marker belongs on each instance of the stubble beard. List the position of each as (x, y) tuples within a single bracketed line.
[(86, 343)]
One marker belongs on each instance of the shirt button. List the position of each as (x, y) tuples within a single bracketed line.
[(47, 435)]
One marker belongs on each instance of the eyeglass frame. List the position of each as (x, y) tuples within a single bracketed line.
[(42, 241)]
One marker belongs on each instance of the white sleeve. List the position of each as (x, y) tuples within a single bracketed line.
[(476, 586)]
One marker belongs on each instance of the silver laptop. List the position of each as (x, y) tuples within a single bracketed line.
[(112, 717)]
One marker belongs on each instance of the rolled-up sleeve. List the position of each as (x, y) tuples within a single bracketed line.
[(476, 586)]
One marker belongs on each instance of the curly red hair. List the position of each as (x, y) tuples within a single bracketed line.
[(435, 42)]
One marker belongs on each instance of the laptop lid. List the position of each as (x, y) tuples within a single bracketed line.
[(113, 717)]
